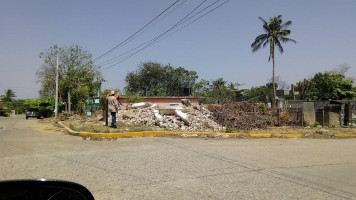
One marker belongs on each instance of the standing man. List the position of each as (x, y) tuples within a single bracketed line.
[(113, 108)]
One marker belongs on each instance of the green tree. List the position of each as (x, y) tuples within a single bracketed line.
[(275, 32), (220, 93), (77, 73), (333, 86), (8, 96), (219, 83), (259, 94), (302, 87), (200, 87), (154, 79)]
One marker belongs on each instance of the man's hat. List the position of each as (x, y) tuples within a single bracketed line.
[(112, 92)]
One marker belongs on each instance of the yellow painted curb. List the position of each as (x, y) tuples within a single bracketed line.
[(346, 135), (288, 135), (160, 133)]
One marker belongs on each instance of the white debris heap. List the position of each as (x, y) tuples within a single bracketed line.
[(176, 117)]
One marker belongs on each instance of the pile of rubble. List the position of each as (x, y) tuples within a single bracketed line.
[(286, 118), (177, 117), (240, 115), (194, 118), (247, 115)]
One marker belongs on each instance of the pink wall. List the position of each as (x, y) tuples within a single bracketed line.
[(164, 101)]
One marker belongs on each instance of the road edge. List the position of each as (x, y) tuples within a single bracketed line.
[(187, 134)]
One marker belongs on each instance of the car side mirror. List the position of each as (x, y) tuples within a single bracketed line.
[(43, 190)]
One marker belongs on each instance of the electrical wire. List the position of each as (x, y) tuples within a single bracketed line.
[(106, 62), (158, 38), (154, 40), (123, 42)]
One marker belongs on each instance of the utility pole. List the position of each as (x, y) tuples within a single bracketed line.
[(56, 103), (69, 103)]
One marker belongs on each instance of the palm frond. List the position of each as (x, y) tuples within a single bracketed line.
[(284, 32), (266, 42), (256, 45), (285, 39), (279, 45), (285, 25), (263, 20)]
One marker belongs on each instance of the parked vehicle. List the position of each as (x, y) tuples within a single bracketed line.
[(43, 189), (33, 112)]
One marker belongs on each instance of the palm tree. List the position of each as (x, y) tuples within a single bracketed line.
[(9, 96), (276, 32)]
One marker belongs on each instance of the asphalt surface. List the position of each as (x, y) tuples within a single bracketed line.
[(180, 168)]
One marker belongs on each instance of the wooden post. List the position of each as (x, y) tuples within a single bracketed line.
[(279, 116), (69, 106), (348, 113), (106, 112), (56, 103), (293, 93)]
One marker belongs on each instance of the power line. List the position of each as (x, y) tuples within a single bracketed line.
[(158, 38), (106, 62), (154, 40), (117, 46)]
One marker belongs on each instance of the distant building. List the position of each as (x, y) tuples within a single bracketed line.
[(325, 112)]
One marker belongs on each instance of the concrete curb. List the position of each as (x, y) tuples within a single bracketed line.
[(161, 133), (70, 131)]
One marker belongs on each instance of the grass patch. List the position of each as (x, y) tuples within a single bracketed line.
[(121, 127), (90, 128), (139, 129)]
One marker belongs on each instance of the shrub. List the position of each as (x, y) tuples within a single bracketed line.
[(316, 124), (229, 128), (5, 112), (45, 112), (134, 98)]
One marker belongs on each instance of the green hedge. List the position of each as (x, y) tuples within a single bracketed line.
[(5, 112)]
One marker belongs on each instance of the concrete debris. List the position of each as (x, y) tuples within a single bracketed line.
[(159, 118), (140, 105), (170, 110), (186, 102), (189, 135), (154, 106), (182, 118), (167, 111), (128, 114)]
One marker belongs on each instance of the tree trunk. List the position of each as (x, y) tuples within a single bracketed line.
[(273, 74), (69, 103)]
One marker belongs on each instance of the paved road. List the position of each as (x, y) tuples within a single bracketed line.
[(181, 168)]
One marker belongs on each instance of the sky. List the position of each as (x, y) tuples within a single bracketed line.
[(215, 46)]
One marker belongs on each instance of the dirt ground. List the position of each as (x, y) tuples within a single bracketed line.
[(47, 124)]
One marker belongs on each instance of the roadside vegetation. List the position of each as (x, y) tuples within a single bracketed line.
[(121, 128)]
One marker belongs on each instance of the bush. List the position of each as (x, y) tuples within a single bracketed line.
[(229, 128), (316, 124), (134, 98), (5, 112), (44, 112)]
